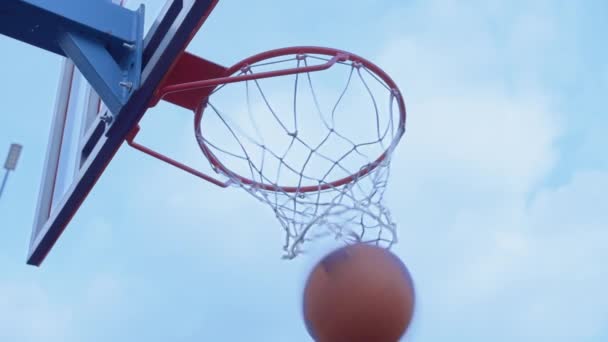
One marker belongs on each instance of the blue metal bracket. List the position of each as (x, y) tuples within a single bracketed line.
[(104, 40)]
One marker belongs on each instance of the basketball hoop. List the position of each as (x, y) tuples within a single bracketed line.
[(319, 159)]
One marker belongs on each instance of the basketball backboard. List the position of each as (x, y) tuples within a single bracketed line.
[(85, 135)]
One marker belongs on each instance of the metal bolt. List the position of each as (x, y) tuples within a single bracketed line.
[(128, 46), (127, 85), (107, 118)]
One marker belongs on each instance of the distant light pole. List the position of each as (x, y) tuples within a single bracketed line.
[(10, 164)]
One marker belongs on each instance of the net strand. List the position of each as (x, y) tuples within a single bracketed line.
[(353, 212)]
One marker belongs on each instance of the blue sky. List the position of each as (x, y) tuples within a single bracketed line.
[(497, 186)]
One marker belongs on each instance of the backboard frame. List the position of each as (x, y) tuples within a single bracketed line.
[(108, 131)]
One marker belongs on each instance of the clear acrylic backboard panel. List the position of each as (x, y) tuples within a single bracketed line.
[(79, 131)]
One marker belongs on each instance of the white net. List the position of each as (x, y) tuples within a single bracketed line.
[(315, 147)]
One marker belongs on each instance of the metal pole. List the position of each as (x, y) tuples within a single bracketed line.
[(4, 182), (10, 163)]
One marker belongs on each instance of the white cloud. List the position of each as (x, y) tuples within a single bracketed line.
[(486, 264), (28, 313), (575, 207), (489, 263), (526, 274), (492, 259)]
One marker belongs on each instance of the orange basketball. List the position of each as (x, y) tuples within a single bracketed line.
[(359, 293)]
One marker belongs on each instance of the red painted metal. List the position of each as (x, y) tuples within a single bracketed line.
[(214, 82), (189, 68), (170, 161), (193, 95)]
